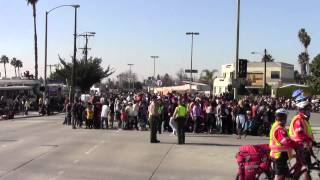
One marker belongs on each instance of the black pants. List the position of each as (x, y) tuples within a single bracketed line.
[(159, 125), (211, 122), (153, 128), (197, 123), (180, 129)]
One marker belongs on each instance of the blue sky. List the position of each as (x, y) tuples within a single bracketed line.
[(130, 31)]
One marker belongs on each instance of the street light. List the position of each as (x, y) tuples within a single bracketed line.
[(154, 66), (264, 59), (130, 75), (75, 6), (192, 34)]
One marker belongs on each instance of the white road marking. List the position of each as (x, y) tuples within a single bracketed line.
[(75, 161), (59, 174), (92, 149), (4, 146)]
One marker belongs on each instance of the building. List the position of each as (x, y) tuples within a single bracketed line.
[(195, 87), (277, 74)]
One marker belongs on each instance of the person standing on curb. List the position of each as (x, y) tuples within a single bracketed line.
[(153, 119), (180, 115), (104, 115)]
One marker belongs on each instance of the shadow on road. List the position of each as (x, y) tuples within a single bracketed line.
[(204, 144), (212, 144)]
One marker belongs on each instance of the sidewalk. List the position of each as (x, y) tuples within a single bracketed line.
[(31, 114)]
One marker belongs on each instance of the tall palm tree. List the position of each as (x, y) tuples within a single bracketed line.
[(305, 40), (19, 65), (303, 60), (14, 64), (4, 59), (207, 77), (33, 3)]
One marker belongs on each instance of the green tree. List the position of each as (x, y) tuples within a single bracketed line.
[(14, 64), (303, 59), (19, 65), (87, 73), (167, 80), (33, 4), (181, 75), (4, 59), (207, 77), (268, 58), (314, 78)]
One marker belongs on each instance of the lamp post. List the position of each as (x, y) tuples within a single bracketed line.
[(75, 6), (264, 59), (130, 74), (237, 49), (192, 35), (154, 66)]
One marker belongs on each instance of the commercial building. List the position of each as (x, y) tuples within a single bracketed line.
[(277, 74)]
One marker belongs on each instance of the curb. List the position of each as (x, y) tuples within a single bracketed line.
[(30, 116)]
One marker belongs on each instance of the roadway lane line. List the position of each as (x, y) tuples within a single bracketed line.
[(55, 177), (91, 149), (162, 159)]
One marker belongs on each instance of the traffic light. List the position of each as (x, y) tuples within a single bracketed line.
[(243, 68)]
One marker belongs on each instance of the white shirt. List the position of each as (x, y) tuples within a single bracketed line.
[(105, 111)]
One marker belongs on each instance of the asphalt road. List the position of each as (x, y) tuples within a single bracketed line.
[(43, 149)]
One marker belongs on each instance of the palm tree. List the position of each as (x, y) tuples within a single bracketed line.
[(303, 60), (207, 77), (14, 64), (33, 3), (305, 40), (19, 65), (4, 59)]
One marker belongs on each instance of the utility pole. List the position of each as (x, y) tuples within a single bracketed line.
[(192, 34), (86, 35), (130, 74), (265, 72), (237, 52)]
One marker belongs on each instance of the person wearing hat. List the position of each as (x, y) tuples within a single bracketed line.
[(281, 146), (300, 129), (153, 119), (180, 115)]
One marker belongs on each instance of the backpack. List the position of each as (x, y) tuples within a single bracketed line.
[(250, 158)]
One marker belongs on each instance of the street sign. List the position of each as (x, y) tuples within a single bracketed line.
[(189, 71)]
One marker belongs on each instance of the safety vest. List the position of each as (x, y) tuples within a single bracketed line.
[(275, 146), (89, 114), (305, 125), (182, 111)]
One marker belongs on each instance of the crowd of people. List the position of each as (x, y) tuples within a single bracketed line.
[(9, 106), (213, 114)]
